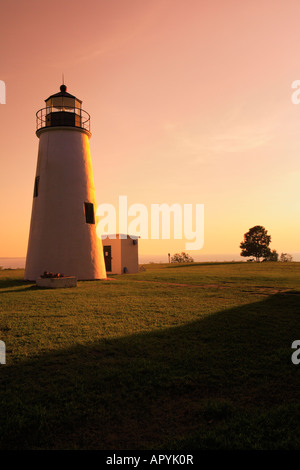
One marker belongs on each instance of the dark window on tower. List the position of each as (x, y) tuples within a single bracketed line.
[(36, 186), (89, 213)]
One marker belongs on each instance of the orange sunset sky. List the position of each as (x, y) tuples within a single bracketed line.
[(190, 103)]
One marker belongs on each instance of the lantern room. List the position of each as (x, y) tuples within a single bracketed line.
[(63, 109)]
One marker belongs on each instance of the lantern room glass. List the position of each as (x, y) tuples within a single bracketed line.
[(63, 103)]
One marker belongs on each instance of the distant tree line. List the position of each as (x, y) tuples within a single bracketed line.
[(256, 244)]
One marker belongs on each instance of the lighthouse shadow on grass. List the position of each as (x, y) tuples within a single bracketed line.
[(223, 382), (13, 282)]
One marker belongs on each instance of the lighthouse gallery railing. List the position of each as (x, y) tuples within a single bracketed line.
[(62, 116)]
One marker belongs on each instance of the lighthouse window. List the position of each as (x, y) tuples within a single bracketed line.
[(89, 213), (36, 187)]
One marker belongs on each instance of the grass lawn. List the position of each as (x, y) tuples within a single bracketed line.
[(173, 358)]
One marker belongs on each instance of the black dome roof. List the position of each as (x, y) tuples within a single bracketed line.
[(63, 93)]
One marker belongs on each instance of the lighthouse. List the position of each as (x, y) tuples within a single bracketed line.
[(62, 237)]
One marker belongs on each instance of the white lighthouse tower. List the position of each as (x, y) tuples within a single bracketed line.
[(63, 235)]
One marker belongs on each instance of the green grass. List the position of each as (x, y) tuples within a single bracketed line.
[(175, 358)]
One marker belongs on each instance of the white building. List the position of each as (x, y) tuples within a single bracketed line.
[(121, 254), (63, 224)]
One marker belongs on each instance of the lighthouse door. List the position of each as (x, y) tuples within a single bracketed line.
[(107, 257)]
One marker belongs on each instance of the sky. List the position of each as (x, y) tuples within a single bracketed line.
[(190, 103)]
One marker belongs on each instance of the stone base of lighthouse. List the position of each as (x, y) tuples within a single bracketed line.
[(63, 236)]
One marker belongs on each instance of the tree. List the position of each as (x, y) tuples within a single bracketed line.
[(181, 258), (273, 256), (256, 243), (285, 258)]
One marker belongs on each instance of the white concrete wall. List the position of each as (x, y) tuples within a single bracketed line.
[(124, 254), (60, 240), (130, 258)]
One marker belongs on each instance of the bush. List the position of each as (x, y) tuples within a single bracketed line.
[(181, 258), (285, 258)]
